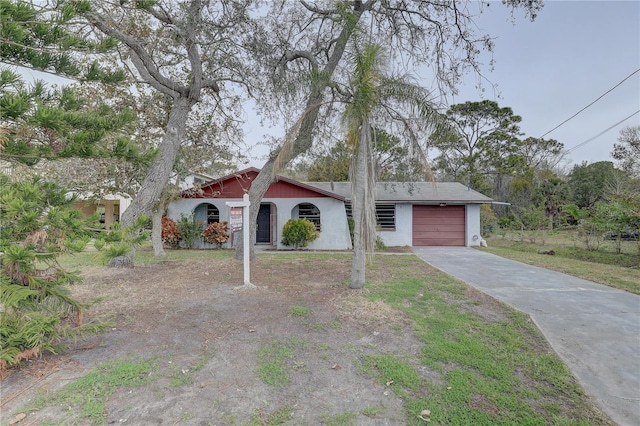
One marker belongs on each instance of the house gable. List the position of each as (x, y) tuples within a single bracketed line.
[(237, 184)]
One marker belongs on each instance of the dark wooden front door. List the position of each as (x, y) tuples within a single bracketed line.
[(263, 233)]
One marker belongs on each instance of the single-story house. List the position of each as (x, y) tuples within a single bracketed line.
[(109, 206), (409, 213)]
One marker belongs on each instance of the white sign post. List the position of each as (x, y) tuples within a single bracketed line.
[(246, 229)]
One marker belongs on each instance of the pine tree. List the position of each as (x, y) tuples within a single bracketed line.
[(37, 226), (37, 223)]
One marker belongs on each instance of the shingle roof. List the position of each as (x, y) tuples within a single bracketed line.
[(425, 192)]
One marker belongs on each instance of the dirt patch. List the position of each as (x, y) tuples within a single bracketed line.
[(181, 314)]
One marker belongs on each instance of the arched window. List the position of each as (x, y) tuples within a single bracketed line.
[(206, 214), (310, 212)]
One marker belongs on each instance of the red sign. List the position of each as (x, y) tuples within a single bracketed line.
[(235, 219)]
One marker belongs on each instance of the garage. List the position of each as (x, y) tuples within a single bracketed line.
[(438, 225)]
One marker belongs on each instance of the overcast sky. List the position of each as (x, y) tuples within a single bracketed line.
[(549, 69)]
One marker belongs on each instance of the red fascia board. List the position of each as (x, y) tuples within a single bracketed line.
[(189, 194)]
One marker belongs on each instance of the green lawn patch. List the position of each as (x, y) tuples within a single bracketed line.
[(491, 372), (86, 397), (273, 368)]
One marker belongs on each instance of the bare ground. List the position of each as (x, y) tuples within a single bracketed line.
[(181, 314)]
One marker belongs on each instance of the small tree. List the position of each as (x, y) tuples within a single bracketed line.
[(38, 225), (216, 233), (299, 233), (587, 229), (121, 242), (612, 219), (488, 220)]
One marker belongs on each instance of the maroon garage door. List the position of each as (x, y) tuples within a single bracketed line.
[(438, 226)]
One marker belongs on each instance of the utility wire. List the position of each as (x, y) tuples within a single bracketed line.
[(600, 97), (600, 134)]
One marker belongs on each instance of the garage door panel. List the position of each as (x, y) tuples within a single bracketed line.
[(439, 225), (437, 234), (439, 221), (447, 242), (437, 213)]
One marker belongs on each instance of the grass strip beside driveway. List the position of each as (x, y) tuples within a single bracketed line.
[(612, 275), (491, 366)]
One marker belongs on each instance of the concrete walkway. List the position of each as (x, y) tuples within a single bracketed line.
[(594, 328)]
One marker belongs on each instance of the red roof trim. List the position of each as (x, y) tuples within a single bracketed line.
[(188, 193), (309, 187)]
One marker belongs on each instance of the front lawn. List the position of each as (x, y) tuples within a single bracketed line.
[(415, 347)]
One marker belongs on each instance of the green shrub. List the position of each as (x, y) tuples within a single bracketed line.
[(299, 233), (488, 220), (118, 244), (190, 229)]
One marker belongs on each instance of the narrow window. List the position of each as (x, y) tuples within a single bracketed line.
[(347, 207), (386, 217)]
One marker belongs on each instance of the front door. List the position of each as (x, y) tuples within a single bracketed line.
[(263, 231)]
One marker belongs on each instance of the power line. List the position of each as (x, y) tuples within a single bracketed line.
[(600, 97), (600, 134)]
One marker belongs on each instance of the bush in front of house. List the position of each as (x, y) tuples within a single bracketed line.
[(171, 235), (190, 229), (299, 233), (216, 233)]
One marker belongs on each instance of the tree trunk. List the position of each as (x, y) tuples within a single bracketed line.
[(147, 199), (156, 232), (258, 188), (550, 224), (304, 139), (358, 263), (362, 207), (261, 183), (157, 177)]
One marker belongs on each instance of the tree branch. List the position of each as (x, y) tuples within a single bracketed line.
[(211, 84), (147, 77), (315, 9), (163, 17), (297, 54), (143, 59)]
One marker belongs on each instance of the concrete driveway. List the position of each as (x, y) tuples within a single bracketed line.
[(594, 328)]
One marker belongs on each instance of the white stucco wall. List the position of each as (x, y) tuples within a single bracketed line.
[(473, 225), (186, 206), (333, 219), (334, 233), (402, 236)]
